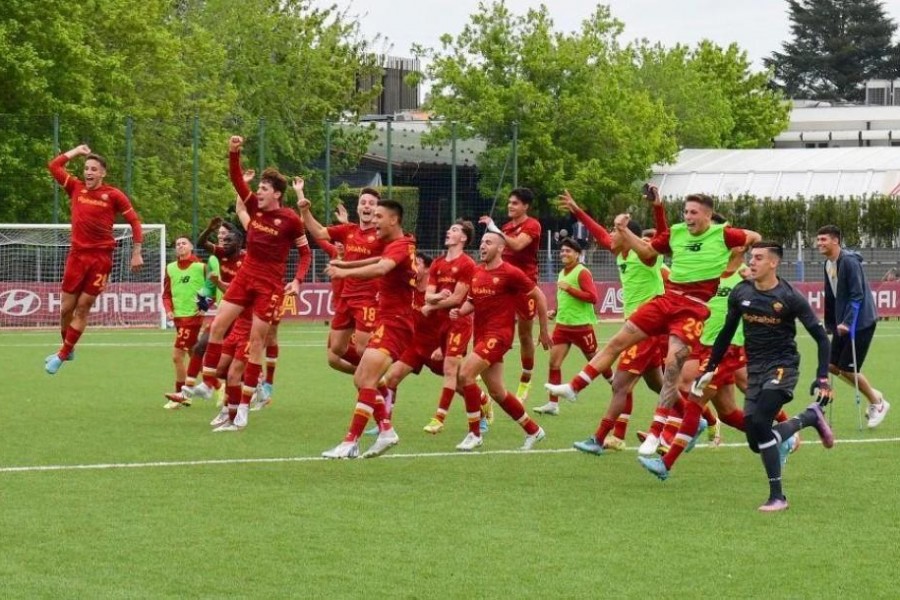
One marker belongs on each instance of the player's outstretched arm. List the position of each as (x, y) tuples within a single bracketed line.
[(57, 166), (641, 247), (234, 168), (382, 267), (597, 230), (203, 239)]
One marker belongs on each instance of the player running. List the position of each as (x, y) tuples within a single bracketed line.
[(700, 252), (355, 310), (395, 270), (522, 241), (496, 287), (769, 307), (89, 262), (575, 316), (642, 280), (271, 233), (184, 280)]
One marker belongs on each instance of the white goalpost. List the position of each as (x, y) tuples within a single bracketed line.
[(32, 261)]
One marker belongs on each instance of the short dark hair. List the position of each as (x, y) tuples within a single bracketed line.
[(572, 243), (832, 230), (370, 191), (393, 206), (468, 228), (275, 179), (525, 195), (97, 157), (425, 258), (635, 228), (701, 199), (773, 247)]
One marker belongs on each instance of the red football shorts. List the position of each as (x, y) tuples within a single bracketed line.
[(457, 336), (672, 314), (355, 313), (734, 360), (526, 308), (491, 347), (644, 356), (237, 344), (393, 336), (264, 296), (187, 330), (87, 272), (581, 336)]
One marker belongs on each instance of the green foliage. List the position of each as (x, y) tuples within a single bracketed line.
[(835, 46), (97, 65), (584, 122), (717, 101)]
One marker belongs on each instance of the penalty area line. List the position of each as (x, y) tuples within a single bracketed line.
[(305, 459)]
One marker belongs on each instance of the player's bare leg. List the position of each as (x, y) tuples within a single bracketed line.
[(492, 375), (526, 351), (226, 314), (626, 337), (558, 353), (73, 323)]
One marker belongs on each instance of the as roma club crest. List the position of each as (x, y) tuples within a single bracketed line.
[(777, 306)]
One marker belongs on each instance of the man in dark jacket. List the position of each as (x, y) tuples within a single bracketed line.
[(849, 309)]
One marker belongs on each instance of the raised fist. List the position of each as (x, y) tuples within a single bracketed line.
[(235, 143)]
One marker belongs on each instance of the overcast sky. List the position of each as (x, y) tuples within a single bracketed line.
[(758, 26)]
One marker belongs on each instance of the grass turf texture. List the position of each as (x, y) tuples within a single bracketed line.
[(422, 521)]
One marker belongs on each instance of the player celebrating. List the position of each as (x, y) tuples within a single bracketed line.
[(355, 312), (575, 315), (641, 282), (448, 286), (769, 307), (700, 252), (271, 233), (89, 263), (396, 268), (185, 278), (496, 286), (522, 240)]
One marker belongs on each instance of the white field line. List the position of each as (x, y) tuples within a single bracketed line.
[(167, 344), (305, 459)]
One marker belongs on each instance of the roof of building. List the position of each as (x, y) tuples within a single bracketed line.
[(783, 173), (407, 145)]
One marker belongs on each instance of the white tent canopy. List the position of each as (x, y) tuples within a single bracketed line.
[(782, 173)]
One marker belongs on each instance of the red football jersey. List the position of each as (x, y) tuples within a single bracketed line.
[(445, 274), (494, 293), (270, 235), (525, 259), (94, 211), (395, 289), (359, 244), (228, 266)]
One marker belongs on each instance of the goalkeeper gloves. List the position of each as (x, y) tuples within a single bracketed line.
[(203, 302), (820, 390), (701, 382)]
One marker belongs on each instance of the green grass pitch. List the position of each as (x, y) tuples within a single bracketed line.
[(189, 519)]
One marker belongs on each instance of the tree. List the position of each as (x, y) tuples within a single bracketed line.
[(836, 45), (584, 122), (716, 100)]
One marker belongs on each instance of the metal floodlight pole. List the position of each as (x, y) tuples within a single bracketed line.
[(195, 177), (453, 172), (327, 172), (390, 166), (55, 153)]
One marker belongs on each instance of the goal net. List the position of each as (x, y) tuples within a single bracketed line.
[(32, 261)]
